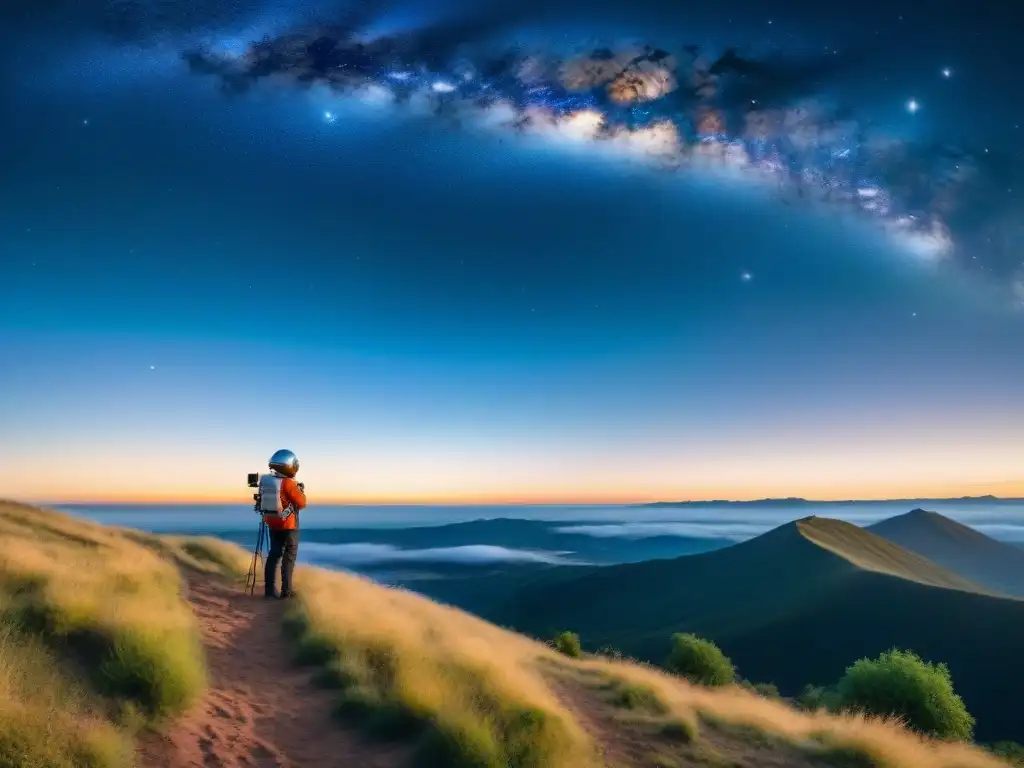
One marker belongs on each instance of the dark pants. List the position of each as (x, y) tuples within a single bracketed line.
[(284, 547)]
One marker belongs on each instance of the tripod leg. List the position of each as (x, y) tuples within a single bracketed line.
[(261, 547), (257, 554)]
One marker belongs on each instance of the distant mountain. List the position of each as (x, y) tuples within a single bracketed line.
[(787, 502), (958, 548), (795, 501), (796, 605)]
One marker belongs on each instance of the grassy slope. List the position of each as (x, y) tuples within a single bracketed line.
[(473, 694), (95, 640), (789, 610), (957, 548), (477, 695)]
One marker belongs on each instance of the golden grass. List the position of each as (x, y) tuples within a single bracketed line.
[(884, 743), (388, 648), (204, 554), (469, 691), (106, 602), (44, 717), (93, 629)]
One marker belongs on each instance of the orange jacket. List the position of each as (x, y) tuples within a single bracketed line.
[(290, 494)]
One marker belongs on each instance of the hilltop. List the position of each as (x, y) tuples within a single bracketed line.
[(958, 548), (792, 607), (186, 669), (794, 501)]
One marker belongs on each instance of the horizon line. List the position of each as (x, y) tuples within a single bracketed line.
[(424, 502)]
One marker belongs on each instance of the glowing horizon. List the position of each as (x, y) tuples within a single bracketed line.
[(1002, 490)]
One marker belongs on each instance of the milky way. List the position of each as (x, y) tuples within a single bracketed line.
[(764, 117)]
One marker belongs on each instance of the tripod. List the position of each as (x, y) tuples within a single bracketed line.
[(262, 538)]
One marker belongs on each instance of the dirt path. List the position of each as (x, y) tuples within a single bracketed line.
[(619, 747), (628, 739), (260, 711)]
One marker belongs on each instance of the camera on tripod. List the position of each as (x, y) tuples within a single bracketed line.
[(254, 482)]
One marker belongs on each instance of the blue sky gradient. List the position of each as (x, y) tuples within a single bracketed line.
[(421, 314)]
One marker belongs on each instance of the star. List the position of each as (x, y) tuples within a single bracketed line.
[(947, 72), (85, 121), (152, 367), (746, 277), (913, 106)]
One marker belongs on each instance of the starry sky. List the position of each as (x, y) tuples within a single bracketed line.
[(563, 252)]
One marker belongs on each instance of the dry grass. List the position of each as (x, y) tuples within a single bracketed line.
[(847, 739), (45, 719), (204, 554), (467, 690), (92, 630), (106, 603), (423, 665)]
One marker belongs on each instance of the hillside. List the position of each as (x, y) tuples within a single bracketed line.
[(196, 672), (793, 606), (957, 548)]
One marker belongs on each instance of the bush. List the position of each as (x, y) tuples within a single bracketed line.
[(681, 730), (611, 652), (1010, 751), (815, 697), (900, 683), (569, 644), (637, 697), (699, 661)]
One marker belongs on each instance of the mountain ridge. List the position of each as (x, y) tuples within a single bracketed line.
[(799, 500), (824, 591), (996, 565)]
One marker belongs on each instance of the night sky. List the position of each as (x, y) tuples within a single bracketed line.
[(516, 256)]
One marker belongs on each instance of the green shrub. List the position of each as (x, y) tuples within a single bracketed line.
[(569, 644), (900, 683), (815, 697), (699, 661), (1010, 751), (681, 730), (637, 697)]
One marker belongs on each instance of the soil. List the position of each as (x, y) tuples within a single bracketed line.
[(260, 710)]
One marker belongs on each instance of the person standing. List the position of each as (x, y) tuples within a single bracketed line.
[(281, 499)]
